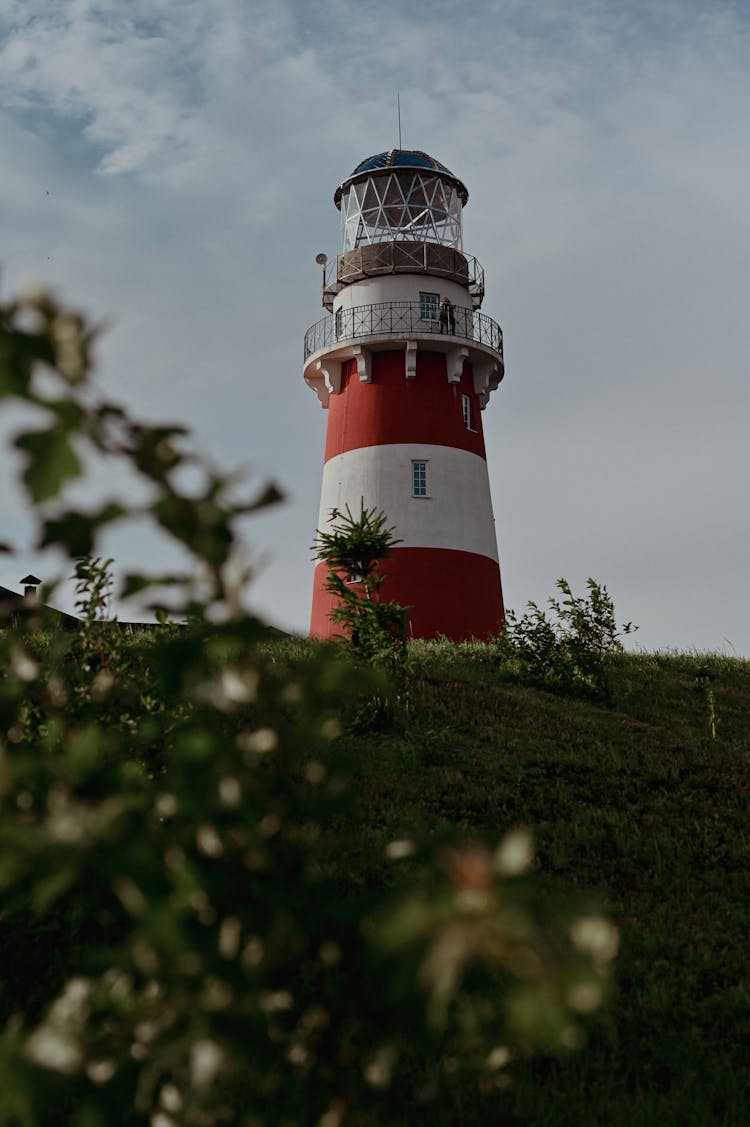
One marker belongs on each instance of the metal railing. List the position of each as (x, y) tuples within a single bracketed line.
[(400, 318), (375, 260)]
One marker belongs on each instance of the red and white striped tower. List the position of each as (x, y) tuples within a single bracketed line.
[(404, 391)]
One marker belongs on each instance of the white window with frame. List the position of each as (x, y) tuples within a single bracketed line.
[(419, 479), (466, 409), (429, 305)]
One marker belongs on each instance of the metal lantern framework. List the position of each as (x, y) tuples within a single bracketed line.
[(400, 205)]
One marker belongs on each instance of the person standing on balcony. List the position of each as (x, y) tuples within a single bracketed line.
[(447, 317)]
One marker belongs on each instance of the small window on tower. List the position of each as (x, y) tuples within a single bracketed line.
[(466, 408), (419, 479), (428, 306), (338, 319)]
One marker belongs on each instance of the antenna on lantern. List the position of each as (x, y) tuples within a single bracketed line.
[(398, 116)]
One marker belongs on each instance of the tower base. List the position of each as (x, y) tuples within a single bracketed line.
[(449, 594)]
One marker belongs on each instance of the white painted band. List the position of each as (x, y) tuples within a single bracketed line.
[(457, 513)]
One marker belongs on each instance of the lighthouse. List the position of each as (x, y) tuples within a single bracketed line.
[(405, 362)]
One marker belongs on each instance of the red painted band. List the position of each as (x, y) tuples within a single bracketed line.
[(456, 594), (392, 409)]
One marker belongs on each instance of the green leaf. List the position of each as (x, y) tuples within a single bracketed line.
[(76, 532), (52, 886), (271, 494), (51, 461), (154, 451), (134, 582), (18, 354)]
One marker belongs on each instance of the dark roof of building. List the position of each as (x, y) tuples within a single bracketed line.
[(12, 605)]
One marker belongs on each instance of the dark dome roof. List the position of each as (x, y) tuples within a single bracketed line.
[(397, 159), (401, 158)]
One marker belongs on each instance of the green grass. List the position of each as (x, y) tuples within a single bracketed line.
[(636, 804)]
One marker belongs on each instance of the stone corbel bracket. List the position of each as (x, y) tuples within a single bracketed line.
[(454, 364), (487, 378), (363, 356), (326, 379)]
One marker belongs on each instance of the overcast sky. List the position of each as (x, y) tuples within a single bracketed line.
[(169, 165)]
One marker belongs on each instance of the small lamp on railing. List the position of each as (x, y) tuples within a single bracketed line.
[(321, 260)]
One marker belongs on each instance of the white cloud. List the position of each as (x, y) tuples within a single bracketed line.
[(93, 64)]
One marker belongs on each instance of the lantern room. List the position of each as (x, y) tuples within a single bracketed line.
[(401, 214), (401, 195)]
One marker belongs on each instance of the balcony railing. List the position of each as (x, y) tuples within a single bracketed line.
[(400, 318), (404, 257)]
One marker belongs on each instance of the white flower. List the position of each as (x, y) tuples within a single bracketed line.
[(397, 850), (595, 936), (498, 1057), (584, 997), (515, 853), (55, 1043), (205, 1062)]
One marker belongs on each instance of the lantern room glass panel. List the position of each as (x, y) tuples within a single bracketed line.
[(401, 206)]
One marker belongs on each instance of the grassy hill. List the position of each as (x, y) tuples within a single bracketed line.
[(638, 809), (643, 805)]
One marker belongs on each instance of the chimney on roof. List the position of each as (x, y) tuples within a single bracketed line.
[(30, 584)]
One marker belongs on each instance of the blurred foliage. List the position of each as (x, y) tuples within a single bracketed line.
[(177, 947)]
